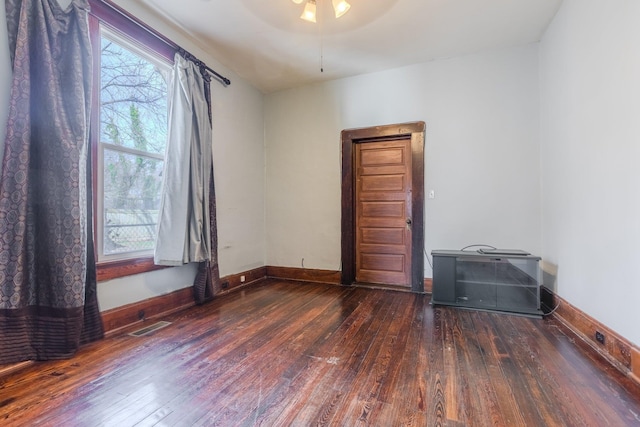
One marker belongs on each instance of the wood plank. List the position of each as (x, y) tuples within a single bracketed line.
[(313, 335), (374, 370), (306, 372), (563, 372), (493, 351), (291, 353), (341, 365), (481, 389), (266, 372), (408, 408), (435, 380), (520, 373)]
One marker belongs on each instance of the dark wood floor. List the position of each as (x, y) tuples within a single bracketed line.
[(286, 353)]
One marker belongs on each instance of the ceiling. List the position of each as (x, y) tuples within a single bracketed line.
[(266, 43)]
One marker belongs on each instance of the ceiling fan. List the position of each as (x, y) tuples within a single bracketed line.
[(340, 7)]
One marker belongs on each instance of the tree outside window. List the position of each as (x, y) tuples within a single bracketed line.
[(133, 134)]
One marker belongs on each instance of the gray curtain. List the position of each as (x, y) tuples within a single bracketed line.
[(48, 303), (183, 223), (187, 229)]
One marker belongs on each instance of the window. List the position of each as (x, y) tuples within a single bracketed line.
[(133, 134), (132, 68)]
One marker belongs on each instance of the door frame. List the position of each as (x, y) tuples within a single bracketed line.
[(415, 131)]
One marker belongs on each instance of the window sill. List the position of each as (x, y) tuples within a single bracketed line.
[(126, 267)]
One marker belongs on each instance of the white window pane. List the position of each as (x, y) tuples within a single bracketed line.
[(132, 187), (133, 98)]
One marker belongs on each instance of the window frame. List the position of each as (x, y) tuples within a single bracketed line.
[(120, 22)]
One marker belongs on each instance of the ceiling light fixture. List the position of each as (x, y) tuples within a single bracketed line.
[(309, 12), (340, 7)]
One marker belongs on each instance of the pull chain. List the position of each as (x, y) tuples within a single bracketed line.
[(321, 36)]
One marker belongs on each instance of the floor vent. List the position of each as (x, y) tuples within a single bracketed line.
[(148, 329)]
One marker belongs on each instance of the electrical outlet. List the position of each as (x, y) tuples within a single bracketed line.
[(600, 337), (225, 285), (242, 279)]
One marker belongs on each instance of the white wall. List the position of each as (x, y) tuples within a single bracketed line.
[(482, 153), (590, 157), (238, 135)]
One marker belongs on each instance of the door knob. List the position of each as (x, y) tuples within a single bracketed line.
[(408, 221)]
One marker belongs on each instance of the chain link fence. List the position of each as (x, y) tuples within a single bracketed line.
[(128, 230)]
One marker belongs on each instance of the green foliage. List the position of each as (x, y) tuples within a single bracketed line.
[(133, 116)]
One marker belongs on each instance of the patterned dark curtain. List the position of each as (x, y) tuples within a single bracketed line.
[(48, 301), (207, 281)]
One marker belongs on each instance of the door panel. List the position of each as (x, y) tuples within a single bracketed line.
[(382, 183), (383, 207), (374, 211), (393, 236), (375, 157)]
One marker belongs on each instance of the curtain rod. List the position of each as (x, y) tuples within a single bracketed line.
[(108, 7)]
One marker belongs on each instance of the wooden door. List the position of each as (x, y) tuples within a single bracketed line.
[(383, 212)]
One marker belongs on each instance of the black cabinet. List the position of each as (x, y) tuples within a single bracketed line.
[(508, 283)]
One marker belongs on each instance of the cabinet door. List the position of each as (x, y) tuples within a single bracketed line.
[(517, 284), (444, 279), (476, 282)]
